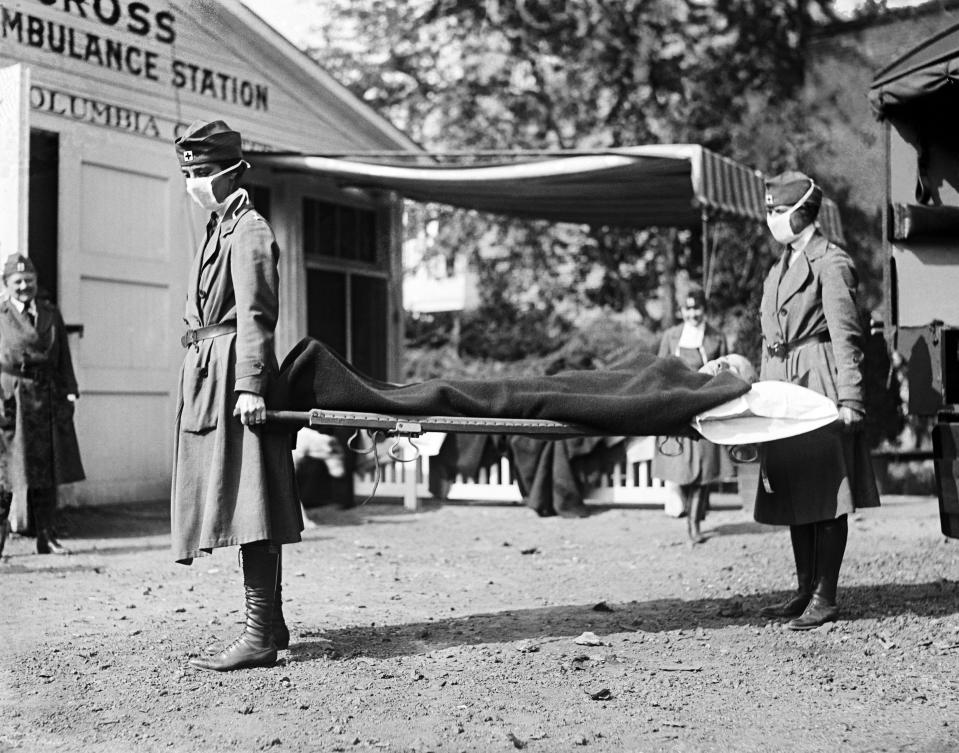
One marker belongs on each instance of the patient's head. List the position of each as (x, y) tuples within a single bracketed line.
[(737, 364)]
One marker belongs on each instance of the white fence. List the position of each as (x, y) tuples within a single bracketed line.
[(627, 483)]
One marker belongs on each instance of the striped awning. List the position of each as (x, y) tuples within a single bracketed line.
[(674, 185)]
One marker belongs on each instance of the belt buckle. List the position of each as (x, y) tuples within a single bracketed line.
[(777, 349)]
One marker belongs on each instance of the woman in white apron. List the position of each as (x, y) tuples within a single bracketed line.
[(689, 466)]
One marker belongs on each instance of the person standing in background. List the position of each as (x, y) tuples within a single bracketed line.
[(38, 443), (233, 482), (695, 463), (812, 336)]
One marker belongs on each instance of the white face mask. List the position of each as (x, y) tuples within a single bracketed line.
[(201, 189), (780, 225)]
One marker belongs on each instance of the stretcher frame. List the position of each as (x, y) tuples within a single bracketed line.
[(411, 426)]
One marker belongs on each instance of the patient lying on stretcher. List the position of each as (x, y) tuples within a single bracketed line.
[(649, 396), (734, 363)]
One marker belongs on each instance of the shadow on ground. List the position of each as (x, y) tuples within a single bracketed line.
[(121, 520), (935, 599)]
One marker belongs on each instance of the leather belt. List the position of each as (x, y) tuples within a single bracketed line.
[(781, 349), (193, 336), (27, 372)]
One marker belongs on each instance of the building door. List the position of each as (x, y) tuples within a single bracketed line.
[(124, 246), (44, 193)]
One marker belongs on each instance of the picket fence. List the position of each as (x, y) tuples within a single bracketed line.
[(629, 482)]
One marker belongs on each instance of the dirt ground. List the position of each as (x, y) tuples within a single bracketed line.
[(454, 629)]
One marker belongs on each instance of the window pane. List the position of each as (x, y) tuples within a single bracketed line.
[(366, 236), (320, 228), (370, 320), (326, 308)]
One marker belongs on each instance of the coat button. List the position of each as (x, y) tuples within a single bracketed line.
[(782, 312), (202, 294)]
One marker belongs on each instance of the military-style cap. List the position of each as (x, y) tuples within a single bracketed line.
[(789, 187), (204, 142), (17, 263)]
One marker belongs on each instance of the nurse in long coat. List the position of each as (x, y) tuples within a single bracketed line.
[(812, 336), (38, 444), (233, 480), (695, 463)]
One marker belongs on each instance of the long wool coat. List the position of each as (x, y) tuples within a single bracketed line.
[(232, 484), (826, 473), (38, 443), (695, 461)]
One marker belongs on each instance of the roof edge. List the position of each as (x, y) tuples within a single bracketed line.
[(309, 68)]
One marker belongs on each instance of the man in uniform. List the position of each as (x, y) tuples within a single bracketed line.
[(812, 336), (38, 444), (233, 481)]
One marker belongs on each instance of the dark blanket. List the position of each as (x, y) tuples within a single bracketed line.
[(653, 396)]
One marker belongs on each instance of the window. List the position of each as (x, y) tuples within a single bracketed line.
[(339, 232)]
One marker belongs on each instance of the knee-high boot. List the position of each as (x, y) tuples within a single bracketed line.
[(281, 633), (43, 506), (6, 501), (254, 647), (831, 538), (804, 552)]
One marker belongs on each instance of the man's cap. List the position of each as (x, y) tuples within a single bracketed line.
[(789, 187), (17, 263), (203, 143)]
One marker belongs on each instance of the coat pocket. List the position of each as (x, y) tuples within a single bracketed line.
[(816, 370), (199, 391)]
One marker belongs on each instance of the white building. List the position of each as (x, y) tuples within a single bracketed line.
[(92, 94)]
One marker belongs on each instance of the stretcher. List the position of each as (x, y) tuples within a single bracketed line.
[(769, 411)]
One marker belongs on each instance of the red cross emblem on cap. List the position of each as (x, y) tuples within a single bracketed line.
[(21, 266), (188, 156)]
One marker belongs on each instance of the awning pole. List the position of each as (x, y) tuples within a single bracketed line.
[(707, 281)]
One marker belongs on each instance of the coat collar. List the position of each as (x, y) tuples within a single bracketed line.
[(43, 308), (792, 281), (237, 205), (817, 246)]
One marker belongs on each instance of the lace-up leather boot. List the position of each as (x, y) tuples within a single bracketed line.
[(255, 646)]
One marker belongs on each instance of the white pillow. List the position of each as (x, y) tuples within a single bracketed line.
[(769, 411)]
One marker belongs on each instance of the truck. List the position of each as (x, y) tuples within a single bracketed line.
[(916, 98)]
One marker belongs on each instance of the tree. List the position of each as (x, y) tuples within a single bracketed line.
[(583, 74)]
